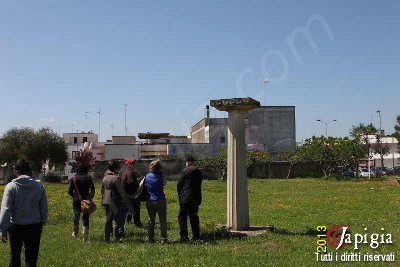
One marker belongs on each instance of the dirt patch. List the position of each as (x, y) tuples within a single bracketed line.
[(392, 182)]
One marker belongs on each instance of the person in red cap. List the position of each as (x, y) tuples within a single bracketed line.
[(130, 183)]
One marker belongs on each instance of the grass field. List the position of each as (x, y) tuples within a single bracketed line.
[(294, 207)]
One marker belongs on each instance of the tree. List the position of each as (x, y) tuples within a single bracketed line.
[(330, 153), (397, 133), (362, 131), (380, 148), (38, 147)]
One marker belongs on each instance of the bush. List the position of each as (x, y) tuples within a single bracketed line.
[(53, 177)]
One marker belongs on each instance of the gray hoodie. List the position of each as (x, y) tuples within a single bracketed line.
[(24, 202)]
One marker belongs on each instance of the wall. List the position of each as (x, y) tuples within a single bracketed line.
[(120, 140), (198, 133), (276, 127), (69, 137), (197, 150), (153, 150), (272, 126), (125, 152), (273, 170), (179, 140)]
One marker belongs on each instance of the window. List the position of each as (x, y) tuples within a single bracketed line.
[(222, 140), (75, 140), (84, 139), (74, 154)]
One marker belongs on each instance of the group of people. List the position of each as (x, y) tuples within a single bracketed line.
[(123, 192), (24, 205)]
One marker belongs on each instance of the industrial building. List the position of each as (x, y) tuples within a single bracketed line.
[(267, 128)]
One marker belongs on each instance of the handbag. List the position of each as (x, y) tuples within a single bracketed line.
[(141, 193), (87, 206)]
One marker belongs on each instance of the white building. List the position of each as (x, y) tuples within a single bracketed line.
[(390, 160), (74, 142)]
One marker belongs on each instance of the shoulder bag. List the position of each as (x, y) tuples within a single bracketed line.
[(87, 206)]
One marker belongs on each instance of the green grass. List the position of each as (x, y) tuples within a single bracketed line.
[(294, 207)]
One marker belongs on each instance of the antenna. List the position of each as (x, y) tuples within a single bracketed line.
[(86, 118), (112, 129), (99, 112), (126, 129)]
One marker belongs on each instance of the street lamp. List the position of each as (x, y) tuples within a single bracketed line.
[(380, 137), (326, 126)]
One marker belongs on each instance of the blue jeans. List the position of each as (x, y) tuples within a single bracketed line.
[(121, 226), (124, 211)]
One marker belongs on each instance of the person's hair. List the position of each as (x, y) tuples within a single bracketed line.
[(81, 167), (22, 167), (155, 165), (191, 160), (113, 165)]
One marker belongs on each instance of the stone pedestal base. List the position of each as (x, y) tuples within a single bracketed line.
[(251, 231)]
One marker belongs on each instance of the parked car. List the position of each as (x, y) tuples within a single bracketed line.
[(395, 170), (381, 171), (363, 172), (348, 173)]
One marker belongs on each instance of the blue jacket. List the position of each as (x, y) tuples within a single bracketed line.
[(155, 182), (24, 202)]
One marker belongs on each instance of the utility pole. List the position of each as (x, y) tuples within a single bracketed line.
[(77, 148), (326, 126), (126, 129), (380, 137), (72, 128), (86, 119), (99, 112)]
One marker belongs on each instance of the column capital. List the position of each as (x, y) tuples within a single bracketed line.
[(230, 104)]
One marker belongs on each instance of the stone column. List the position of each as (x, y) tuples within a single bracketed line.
[(237, 197)]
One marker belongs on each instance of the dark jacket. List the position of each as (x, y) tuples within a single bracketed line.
[(155, 183), (113, 193), (189, 186), (85, 186), (129, 180)]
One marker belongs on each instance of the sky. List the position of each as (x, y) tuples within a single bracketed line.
[(63, 61)]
